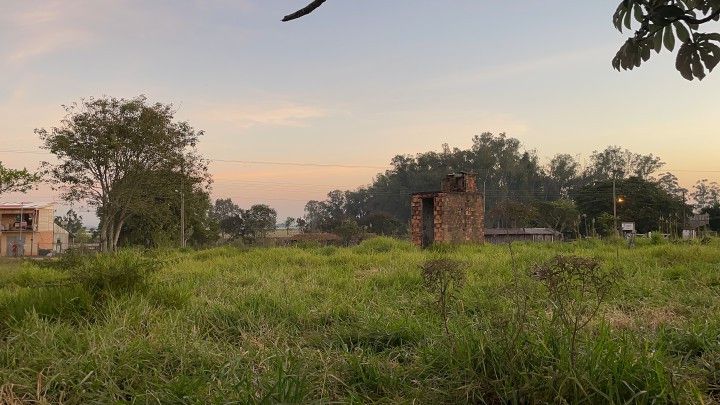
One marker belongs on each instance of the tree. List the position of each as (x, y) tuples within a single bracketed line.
[(158, 222), (71, 222), (288, 223), (669, 182), (228, 215), (107, 149), (660, 23), (706, 194), (382, 223), (302, 224), (561, 215), (258, 221), (234, 226), (564, 170), (643, 202), (615, 162), (349, 231), (16, 181), (714, 212)]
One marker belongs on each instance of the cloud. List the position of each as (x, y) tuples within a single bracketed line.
[(32, 30), (241, 116), (568, 59)]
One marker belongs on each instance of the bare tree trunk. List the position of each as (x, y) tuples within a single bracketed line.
[(116, 236)]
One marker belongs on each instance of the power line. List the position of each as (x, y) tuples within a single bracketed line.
[(315, 164)]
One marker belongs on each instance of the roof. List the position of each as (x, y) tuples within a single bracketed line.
[(521, 231), (697, 221), (57, 229), (24, 205)]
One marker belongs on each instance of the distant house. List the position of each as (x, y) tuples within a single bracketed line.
[(505, 235), (694, 224), (28, 229)]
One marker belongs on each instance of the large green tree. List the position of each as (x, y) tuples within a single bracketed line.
[(108, 151), (655, 24), (248, 225), (158, 223), (641, 201), (16, 180)]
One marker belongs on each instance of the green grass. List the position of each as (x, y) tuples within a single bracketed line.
[(355, 325)]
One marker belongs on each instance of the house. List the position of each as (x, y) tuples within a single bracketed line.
[(694, 225), (28, 229), (455, 214), (505, 235)]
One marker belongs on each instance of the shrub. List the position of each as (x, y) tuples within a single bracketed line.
[(576, 288), (657, 239), (117, 273), (443, 278)]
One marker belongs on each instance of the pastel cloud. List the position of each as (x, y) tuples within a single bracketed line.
[(243, 116)]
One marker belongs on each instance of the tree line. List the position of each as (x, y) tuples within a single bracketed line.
[(521, 191), (140, 170)]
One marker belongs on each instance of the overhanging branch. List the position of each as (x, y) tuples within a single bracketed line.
[(304, 11)]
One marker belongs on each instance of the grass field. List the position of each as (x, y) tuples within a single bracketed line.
[(325, 324)]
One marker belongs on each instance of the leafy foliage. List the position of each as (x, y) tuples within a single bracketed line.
[(519, 191), (71, 222), (643, 202), (114, 153), (240, 224), (14, 180), (659, 24)]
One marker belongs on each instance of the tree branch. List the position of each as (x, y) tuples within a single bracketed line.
[(304, 11)]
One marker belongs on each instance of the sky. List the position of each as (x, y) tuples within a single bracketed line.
[(354, 84)]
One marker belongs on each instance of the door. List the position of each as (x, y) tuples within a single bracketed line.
[(428, 221), (15, 246)]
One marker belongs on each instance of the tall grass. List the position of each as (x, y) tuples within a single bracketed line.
[(316, 324)]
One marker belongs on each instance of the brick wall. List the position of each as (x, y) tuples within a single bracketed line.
[(457, 217), (462, 218)]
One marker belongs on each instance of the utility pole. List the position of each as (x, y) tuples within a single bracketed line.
[(684, 214), (615, 206), (22, 237)]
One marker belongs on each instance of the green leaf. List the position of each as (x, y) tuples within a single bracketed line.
[(669, 38), (697, 67), (657, 41), (626, 20), (710, 56), (639, 16), (714, 36), (682, 32), (682, 63), (668, 12)]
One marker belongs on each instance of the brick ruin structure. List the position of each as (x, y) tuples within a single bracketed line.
[(453, 215)]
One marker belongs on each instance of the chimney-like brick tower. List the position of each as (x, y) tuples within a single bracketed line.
[(453, 215)]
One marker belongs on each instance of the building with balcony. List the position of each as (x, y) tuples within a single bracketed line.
[(28, 229)]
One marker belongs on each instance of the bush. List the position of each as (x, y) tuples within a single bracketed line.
[(657, 239), (443, 278), (110, 274)]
